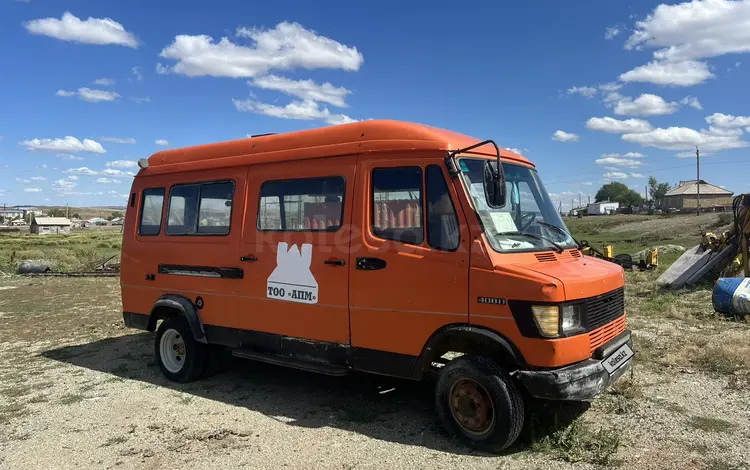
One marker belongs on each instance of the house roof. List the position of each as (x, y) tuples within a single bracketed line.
[(345, 139), (51, 221), (690, 188)]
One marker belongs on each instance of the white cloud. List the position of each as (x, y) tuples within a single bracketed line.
[(104, 81), (67, 144), (304, 110), (691, 101), (727, 120), (141, 99), (617, 160), (119, 140), (73, 178), (122, 164), (92, 96), (112, 193), (162, 142), (645, 105), (99, 31), (686, 73), (611, 97), (683, 138), (587, 183), (108, 181), (307, 90), (517, 150), (136, 72), (287, 46), (111, 172), (64, 185), (22, 181), (32, 190), (616, 126), (737, 65), (611, 32), (562, 136), (697, 29), (619, 175), (612, 86), (38, 178), (80, 171), (586, 91)]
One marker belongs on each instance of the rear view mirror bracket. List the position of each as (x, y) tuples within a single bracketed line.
[(494, 178)]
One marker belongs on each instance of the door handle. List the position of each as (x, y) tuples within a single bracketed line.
[(335, 262), (150, 277), (248, 259), (370, 264)]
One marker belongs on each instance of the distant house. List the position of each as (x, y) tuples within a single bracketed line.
[(117, 221), (685, 196), (603, 208), (47, 225)]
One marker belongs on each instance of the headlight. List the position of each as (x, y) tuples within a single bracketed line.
[(571, 317), (547, 318)]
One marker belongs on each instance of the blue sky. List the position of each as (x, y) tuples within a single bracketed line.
[(591, 90)]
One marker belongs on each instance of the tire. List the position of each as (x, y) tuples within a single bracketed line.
[(190, 358), (493, 422)]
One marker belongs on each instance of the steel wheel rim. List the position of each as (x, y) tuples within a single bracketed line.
[(471, 406), (172, 350)]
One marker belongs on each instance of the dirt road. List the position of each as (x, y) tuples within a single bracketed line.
[(77, 390)]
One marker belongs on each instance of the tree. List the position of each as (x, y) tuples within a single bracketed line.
[(632, 198), (614, 191), (656, 190)]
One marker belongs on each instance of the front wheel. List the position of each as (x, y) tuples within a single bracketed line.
[(479, 403), (180, 357)]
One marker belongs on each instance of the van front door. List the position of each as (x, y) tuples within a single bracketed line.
[(295, 249), (409, 261)]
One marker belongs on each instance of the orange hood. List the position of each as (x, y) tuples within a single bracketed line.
[(583, 277)]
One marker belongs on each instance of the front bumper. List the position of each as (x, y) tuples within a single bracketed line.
[(581, 381)]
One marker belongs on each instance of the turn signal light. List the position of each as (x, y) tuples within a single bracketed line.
[(547, 318)]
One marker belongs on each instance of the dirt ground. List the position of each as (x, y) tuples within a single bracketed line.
[(78, 390)]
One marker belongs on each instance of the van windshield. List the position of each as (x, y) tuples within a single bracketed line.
[(528, 221)]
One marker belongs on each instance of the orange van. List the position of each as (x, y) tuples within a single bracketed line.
[(380, 246)]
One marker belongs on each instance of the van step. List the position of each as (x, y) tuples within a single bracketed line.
[(325, 369)]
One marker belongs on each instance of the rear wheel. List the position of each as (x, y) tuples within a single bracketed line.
[(180, 357), (479, 403)]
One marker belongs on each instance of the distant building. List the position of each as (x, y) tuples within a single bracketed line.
[(685, 196), (603, 208), (47, 225), (12, 213)]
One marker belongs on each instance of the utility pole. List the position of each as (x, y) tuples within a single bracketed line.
[(589, 198), (698, 183), (579, 199)]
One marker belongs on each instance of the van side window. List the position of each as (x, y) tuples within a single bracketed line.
[(302, 205), (215, 212), (442, 223), (397, 204), (151, 206), (200, 209)]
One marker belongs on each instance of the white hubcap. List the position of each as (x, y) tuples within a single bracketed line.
[(172, 350)]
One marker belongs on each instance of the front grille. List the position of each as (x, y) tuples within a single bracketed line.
[(605, 333), (604, 308)]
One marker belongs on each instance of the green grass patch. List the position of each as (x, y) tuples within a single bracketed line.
[(576, 442)]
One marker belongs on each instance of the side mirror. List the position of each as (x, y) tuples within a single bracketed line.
[(494, 185)]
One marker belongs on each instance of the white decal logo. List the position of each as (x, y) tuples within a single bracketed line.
[(292, 279)]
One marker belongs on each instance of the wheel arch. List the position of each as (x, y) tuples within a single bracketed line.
[(466, 338), (170, 305)]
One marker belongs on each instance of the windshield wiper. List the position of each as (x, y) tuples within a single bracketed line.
[(560, 230), (536, 237)]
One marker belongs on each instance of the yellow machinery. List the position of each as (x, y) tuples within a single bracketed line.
[(624, 260)]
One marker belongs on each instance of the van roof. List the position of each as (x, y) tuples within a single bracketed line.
[(359, 137)]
